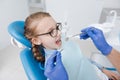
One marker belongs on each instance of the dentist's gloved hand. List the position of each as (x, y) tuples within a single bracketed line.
[(54, 69), (98, 39)]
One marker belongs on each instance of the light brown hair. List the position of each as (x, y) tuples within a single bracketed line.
[(31, 23)]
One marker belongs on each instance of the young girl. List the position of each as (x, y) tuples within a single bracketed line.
[(44, 34), (42, 30)]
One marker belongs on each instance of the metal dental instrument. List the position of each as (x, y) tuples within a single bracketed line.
[(75, 35), (67, 38)]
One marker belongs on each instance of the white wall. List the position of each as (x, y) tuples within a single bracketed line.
[(111, 4), (77, 13), (10, 10), (58, 9)]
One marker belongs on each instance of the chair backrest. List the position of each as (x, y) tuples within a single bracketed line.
[(31, 66)]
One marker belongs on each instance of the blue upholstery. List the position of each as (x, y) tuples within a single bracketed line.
[(16, 30), (31, 66)]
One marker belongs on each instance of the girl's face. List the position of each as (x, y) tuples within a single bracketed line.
[(48, 25)]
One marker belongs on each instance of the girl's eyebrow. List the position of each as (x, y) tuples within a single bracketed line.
[(51, 28)]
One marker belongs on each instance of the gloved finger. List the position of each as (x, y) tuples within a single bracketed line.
[(49, 67), (96, 30), (58, 58), (91, 33), (84, 35), (86, 29), (88, 32), (50, 62)]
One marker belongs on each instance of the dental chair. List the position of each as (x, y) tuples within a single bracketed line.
[(31, 66)]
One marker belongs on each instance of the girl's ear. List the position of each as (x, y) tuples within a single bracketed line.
[(36, 41)]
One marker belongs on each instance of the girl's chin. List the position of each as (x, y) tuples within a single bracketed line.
[(58, 46)]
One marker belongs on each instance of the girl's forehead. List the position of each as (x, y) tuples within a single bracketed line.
[(46, 24), (47, 21)]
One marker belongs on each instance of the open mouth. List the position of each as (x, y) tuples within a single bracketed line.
[(58, 42)]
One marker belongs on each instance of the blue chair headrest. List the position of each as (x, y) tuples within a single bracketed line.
[(16, 30)]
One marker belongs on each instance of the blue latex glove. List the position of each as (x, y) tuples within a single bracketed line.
[(54, 69), (98, 39)]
